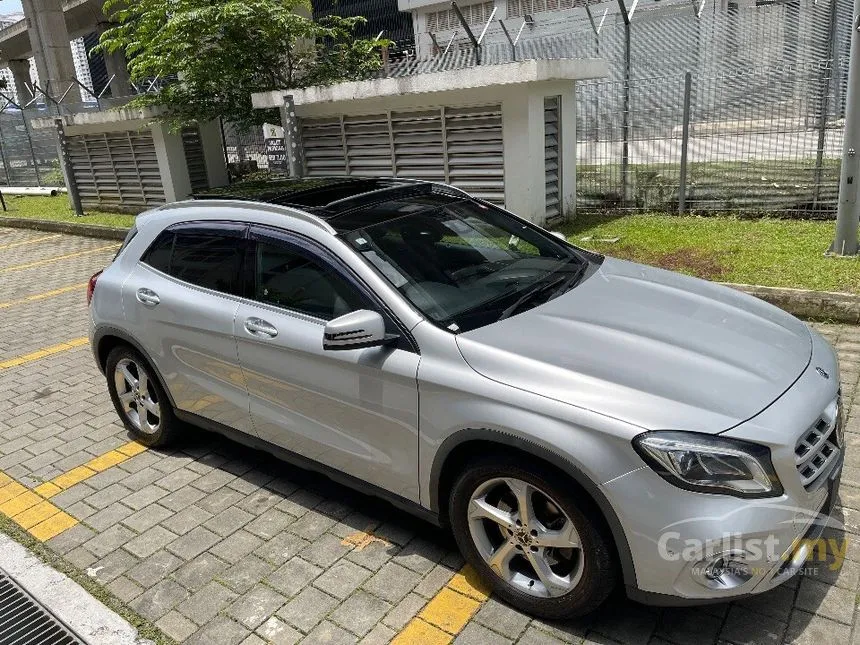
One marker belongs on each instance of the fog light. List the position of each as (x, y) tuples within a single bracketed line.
[(725, 570)]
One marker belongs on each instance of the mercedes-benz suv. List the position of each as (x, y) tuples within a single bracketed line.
[(575, 419)]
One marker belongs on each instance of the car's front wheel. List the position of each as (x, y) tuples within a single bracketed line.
[(139, 398), (523, 528)]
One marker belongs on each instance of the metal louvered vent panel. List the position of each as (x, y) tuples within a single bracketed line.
[(461, 146), (368, 145), (23, 621), (419, 147), (552, 161), (323, 147), (195, 159), (116, 169), (473, 138)]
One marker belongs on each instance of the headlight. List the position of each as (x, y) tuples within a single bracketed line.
[(710, 464)]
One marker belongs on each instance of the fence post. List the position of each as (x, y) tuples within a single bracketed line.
[(626, 189), (292, 137), (824, 106), (68, 170), (685, 144)]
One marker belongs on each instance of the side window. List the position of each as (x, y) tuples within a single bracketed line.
[(291, 279), (205, 258), (208, 260), (158, 255)]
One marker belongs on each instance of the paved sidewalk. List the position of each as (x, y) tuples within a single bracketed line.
[(215, 543)]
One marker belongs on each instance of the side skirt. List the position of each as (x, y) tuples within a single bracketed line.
[(305, 463)]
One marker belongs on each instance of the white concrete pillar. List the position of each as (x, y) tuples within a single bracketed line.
[(213, 153), (523, 140), (567, 151), (20, 68), (49, 38), (172, 165)]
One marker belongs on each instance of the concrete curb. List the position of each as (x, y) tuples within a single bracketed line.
[(811, 305), (66, 599), (814, 305), (72, 228)]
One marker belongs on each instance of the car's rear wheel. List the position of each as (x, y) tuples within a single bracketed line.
[(523, 528), (139, 398)]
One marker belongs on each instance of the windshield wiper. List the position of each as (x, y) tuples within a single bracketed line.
[(556, 287)]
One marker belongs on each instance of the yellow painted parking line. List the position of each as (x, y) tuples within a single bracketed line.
[(38, 263), (74, 476), (93, 467), (36, 515), (448, 612), (42, 296), (25, 242), (42, 353), (52, 527), (31, 510)]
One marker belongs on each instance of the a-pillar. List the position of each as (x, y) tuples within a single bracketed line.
[(49, 38), (172, 165), (20, 68)]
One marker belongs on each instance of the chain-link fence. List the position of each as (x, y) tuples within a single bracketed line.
[(762, 128)]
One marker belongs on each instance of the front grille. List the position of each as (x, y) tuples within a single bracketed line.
[(23, 621), (819, 446)]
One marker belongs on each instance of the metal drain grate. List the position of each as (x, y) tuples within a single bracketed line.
[(23, 621)]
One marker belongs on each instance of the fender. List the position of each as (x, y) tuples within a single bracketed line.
[(106, 330), (548, 455)]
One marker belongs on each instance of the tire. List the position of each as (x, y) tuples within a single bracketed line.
[(585, 577), (124, 366)]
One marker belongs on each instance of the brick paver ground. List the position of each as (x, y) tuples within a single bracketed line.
[(215, 543)]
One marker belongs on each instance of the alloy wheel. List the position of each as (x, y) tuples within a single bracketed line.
[(525, 537), (136, 395)]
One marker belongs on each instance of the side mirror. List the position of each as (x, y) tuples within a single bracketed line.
[(356, 330), (559, 235)]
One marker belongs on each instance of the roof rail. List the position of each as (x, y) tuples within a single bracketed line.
[(288, 211)]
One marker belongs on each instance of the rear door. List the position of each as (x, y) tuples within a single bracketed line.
[(181, 300), (354, 410)]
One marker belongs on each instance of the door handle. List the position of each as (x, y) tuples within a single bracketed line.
[(261, 328), (148, 297)]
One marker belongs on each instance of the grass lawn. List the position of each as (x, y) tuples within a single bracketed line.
[(771, 252), (57, 208)]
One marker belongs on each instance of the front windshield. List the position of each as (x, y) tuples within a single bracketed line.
[(465, 264)]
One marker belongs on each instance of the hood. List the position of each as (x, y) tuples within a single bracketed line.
[(650, 347)]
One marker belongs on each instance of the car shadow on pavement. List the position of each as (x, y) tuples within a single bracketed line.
[(366, 522)]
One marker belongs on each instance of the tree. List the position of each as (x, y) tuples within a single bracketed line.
[(215, 54)]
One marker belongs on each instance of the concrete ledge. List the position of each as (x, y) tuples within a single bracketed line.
[(72, 228), (811, 305), (468, 78)]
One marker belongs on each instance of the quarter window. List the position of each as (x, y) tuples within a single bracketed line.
[(293, 280), (203, 258)]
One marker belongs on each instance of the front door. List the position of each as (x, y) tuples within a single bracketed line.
[(353, 410)]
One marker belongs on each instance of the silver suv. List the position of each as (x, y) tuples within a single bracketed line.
[(575, 420)]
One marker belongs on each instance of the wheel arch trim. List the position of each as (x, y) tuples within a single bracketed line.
[(506, 440), (99, 335)]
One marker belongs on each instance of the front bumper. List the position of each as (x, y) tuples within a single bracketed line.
[(675, 534)]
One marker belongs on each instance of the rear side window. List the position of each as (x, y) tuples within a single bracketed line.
[(205, 258), (158, 255)]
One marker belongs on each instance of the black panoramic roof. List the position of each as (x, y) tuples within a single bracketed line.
[(343, 201)]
